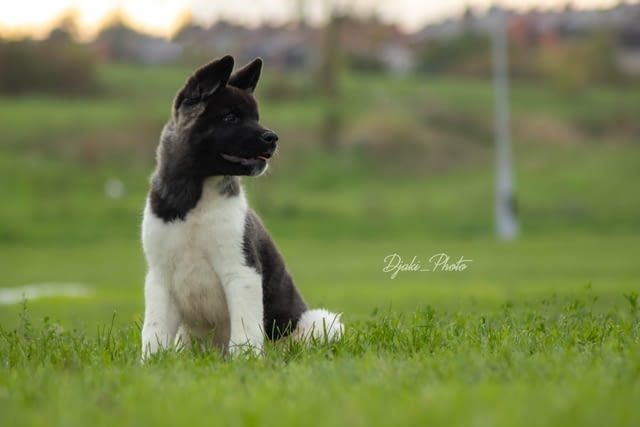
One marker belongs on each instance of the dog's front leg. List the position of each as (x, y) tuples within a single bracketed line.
[(244, 301), (161, 318)]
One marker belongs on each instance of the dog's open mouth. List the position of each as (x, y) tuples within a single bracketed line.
[(246, 161)]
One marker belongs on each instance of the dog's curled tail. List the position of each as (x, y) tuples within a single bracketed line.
[(319, 325)]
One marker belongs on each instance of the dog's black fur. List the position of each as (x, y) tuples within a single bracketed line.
[(214, 131)]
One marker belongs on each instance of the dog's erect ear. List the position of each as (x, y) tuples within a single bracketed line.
[(205, 81), (247, 77)]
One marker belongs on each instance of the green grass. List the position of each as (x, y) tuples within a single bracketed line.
[(540, 331), (552, 361)]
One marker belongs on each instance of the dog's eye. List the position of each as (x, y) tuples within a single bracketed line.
[(230, 118)]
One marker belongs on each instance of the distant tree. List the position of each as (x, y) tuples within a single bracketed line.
[(575, 64), (467, 17), (330, 72), (468, 54), (66, 26), (55, 65), (58, 64), (115, 40)]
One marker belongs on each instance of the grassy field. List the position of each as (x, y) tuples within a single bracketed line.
[(541, 331), (538, 361)]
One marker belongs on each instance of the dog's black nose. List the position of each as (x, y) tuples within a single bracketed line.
[(269, 137)]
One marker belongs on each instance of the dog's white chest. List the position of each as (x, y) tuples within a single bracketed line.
[(195, 254)]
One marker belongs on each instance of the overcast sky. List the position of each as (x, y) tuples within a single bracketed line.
[(161, 17)]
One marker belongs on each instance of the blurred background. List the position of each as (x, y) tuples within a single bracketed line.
[(386, 113)]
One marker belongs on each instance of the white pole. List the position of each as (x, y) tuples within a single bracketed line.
[(506, 221)]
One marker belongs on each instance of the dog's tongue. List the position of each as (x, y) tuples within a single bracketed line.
[(262, 158)]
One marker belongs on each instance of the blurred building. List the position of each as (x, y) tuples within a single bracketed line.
[(369, 43)]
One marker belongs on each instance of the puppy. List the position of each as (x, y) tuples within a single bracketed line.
[(213, 271)]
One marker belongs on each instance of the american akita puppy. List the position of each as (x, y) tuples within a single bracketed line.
[(213, 271)]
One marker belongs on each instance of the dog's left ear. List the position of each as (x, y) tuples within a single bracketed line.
[(246, 78)]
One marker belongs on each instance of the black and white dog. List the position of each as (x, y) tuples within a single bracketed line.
[(213, 271)]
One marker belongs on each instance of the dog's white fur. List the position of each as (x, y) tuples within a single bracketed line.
[(197, 275), (198, 281)]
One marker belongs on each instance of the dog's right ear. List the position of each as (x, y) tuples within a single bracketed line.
[(205, 82)]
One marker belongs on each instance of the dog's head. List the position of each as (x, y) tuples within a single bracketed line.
[(215, 121)]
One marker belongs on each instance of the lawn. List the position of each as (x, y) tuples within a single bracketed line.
[(502, 357), (544, 330)]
